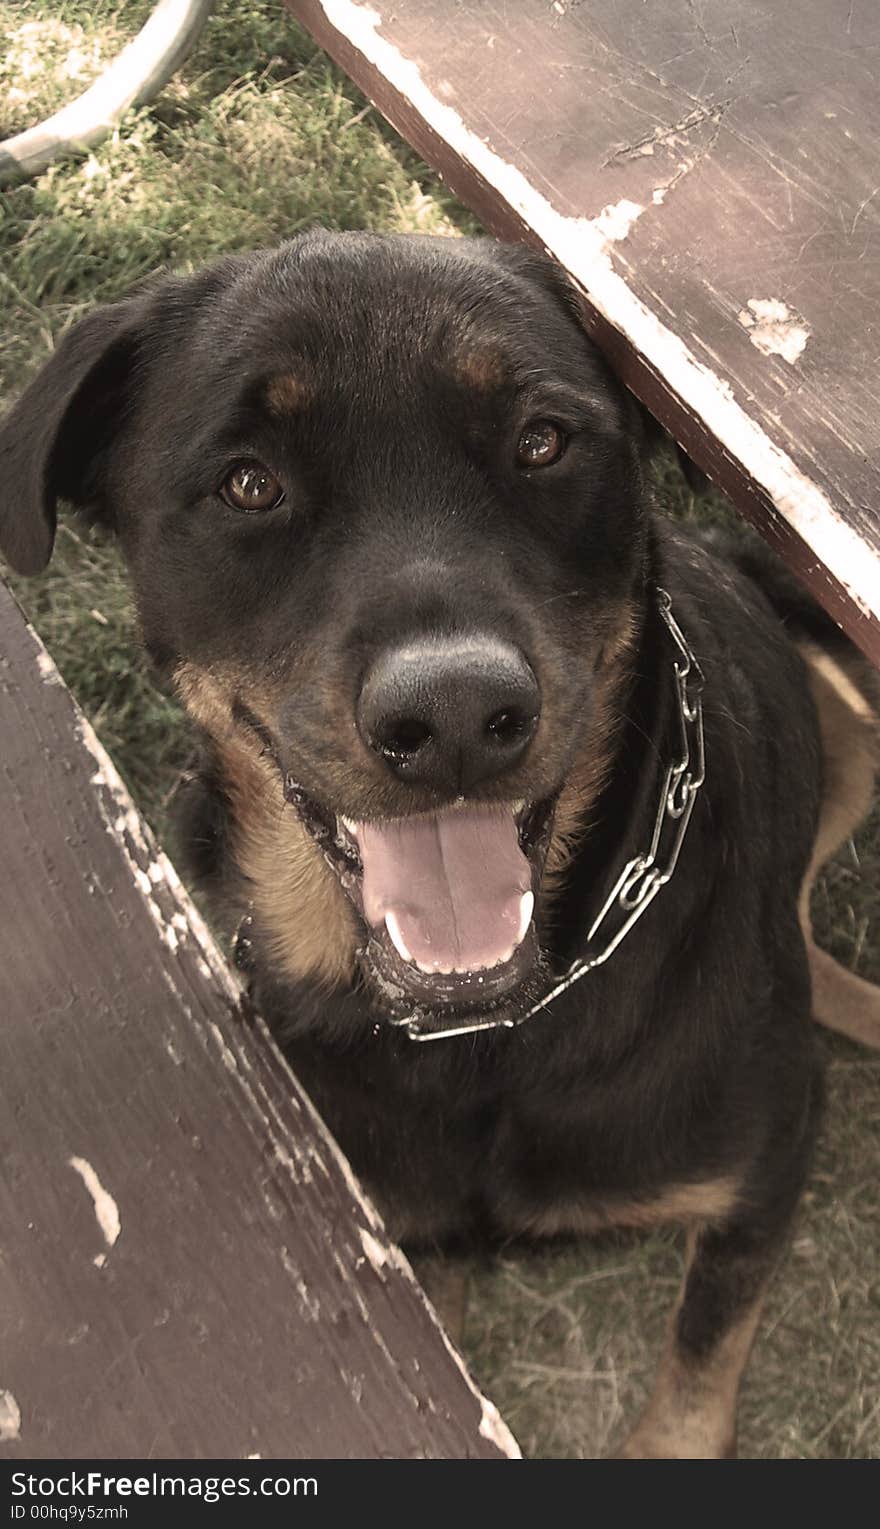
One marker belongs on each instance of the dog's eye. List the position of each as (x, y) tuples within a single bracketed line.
[(540, 444), (251, 487)]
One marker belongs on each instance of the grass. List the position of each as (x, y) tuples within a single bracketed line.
[(257, 137)]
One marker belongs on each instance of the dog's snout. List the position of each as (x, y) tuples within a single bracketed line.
[(448, 713)]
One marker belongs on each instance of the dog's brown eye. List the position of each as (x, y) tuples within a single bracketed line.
[(251, 487), (540, 444)]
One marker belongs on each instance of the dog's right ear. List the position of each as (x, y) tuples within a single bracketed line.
[(54, 438)]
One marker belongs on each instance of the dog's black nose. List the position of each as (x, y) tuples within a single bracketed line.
[(449, 712)]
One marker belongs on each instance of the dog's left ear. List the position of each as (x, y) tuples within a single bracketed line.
[(53, 439)]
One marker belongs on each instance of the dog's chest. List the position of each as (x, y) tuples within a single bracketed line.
[(443, 1162)]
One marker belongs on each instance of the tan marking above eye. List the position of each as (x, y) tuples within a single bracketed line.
[(288, 394), (541, 443), (479, 367), (250, 487)]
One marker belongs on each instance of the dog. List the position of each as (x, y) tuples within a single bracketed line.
[(513, 790)]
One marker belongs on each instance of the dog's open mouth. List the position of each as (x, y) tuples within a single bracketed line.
[(447, 898)]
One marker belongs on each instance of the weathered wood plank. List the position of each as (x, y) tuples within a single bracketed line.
[(188, 1267), (709, 174)]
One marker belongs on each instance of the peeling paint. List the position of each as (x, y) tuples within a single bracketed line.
[(660, 193), (126, 822), (48, 671), (227, 1056), (501, 1435), (106, 1211), (286, 1160), (373, 1249), (381, 1253), (310, 1306), (773, 328), (10, 1417), (616, 221), (494, 1428), (585, 251), (179, 999), (129, 831), (274, 1209)]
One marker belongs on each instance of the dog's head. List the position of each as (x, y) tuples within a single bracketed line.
[(381, 503)]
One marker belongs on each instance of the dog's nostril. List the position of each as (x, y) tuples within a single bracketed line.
[(509, 725), (403, 738), (449, 712)]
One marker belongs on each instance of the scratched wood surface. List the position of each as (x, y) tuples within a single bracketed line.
[(188, 1268), (709, 173)]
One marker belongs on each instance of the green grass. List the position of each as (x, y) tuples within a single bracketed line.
[(257, 137)]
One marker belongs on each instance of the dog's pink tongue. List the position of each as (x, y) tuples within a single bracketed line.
[(453, 889)]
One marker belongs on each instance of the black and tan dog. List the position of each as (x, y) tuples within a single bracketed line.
[(387, 526)]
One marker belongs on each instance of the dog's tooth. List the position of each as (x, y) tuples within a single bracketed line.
[(473, 971), (395, 935), (350, 826), (525, 915)]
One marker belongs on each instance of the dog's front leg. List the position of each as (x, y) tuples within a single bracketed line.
[(691, 1414)]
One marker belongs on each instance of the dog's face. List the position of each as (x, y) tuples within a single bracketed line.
[(381, 503)]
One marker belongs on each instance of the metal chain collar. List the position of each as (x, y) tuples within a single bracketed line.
[(644, 875)]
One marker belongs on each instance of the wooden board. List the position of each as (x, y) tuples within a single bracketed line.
[(709, 173), (188, 1267)]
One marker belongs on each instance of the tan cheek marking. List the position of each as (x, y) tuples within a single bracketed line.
[(207, 699), (302, 912), (581, 790), (299, 906), (590, 773), (210, 694), (619, 644)]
